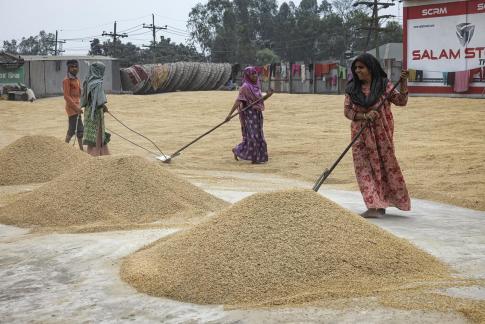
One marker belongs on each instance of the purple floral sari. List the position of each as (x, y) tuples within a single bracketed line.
[(253, 146)]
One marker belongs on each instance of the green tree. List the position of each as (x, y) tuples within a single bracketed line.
[(245, 32), (10, 47), (236, 30), (41, 44), (325, 8), (199, 28), (226, 43), (266, 56), (332, 40), (165, 51), (285, 22), (205, 21), (29, 46), (46, 42), (392, 33), (355, 35), (309, 28), (262, 16), (96, 48), (128, 54)]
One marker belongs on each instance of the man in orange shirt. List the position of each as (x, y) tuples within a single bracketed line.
[(72, 95)]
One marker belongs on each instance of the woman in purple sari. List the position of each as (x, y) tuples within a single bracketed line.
[(253, 146)]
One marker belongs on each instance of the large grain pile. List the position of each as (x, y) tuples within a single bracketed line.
[(110, 193), (34, 159), (278, 248)]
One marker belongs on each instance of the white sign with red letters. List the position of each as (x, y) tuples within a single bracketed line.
[(446, 37)]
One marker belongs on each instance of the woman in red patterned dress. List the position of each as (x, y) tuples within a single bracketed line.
[(376, 168)]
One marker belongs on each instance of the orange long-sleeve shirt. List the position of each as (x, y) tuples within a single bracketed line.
[(72, 95)]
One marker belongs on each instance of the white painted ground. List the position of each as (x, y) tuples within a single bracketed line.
[(59, 278)]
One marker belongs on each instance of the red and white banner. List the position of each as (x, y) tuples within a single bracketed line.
[(446, 37)]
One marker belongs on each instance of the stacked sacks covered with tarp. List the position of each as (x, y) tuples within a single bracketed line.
[(179, 76)]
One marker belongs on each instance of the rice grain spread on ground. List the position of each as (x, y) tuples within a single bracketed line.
[(278, 248), (35, 159), (112, 192)]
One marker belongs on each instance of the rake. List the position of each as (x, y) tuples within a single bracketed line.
[(168, 158), (327, 172)]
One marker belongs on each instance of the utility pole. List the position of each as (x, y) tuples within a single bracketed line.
[(154, 29), (374, 25), (57, 51), (114, 35), (315, 47)]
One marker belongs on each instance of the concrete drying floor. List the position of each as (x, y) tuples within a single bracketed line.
[(74, 277)]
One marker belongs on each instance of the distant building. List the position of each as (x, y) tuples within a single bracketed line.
[(44, 74), (11, 69), (444, 47)]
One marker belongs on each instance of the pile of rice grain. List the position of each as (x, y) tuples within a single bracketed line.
[(278, 248), (34, 159), (110, 192)]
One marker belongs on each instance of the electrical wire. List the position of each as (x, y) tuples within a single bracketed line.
[(111, 131), (169, 18), (176, 34), (81, 38), (128, 30), (85, 28), (178, 29), (119, 121), (132, 19), (103, 24), (141, 33)]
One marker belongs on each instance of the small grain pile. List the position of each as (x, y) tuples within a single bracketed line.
[(34, 159), (110, 192), (472, 309), (278, 248)]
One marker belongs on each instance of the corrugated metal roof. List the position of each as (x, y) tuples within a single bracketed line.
[(67, 57), (6, 58)]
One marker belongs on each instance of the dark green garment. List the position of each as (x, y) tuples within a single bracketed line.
[(91, 127)]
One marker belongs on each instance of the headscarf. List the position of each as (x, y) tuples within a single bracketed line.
[(93, 93), (254, 87), (378, 84)]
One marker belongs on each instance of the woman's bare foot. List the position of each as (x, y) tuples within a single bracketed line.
[(371, 213), (235, 156)]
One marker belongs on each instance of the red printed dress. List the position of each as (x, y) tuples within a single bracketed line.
[(378, 173)]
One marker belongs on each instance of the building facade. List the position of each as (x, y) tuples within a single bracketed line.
[(44, 74), (11, 69)]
